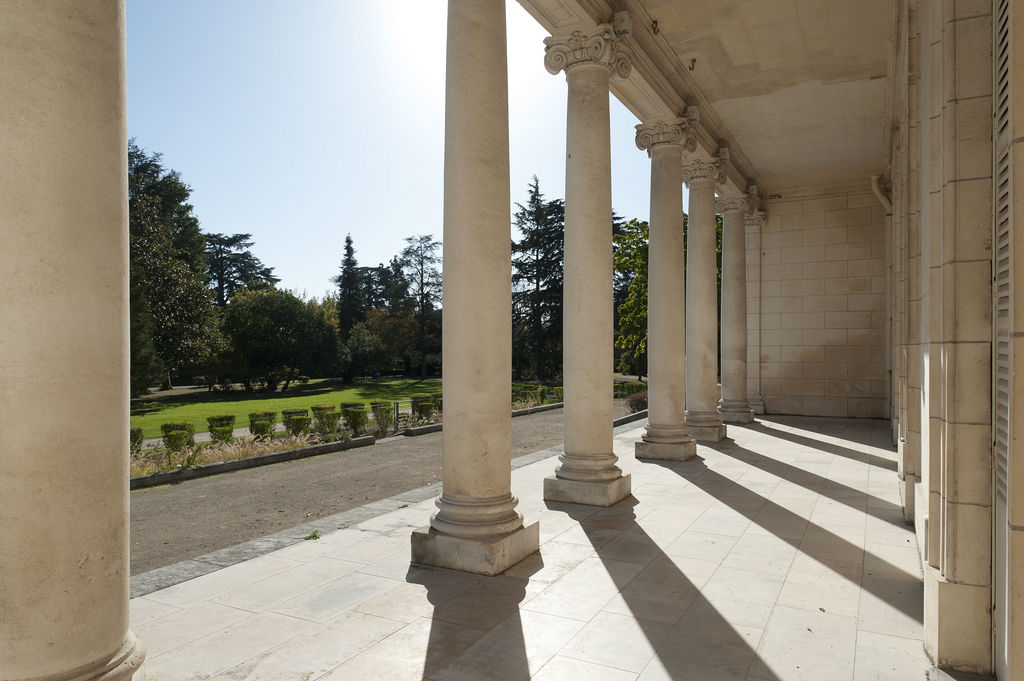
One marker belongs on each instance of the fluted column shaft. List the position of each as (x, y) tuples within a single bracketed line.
[(733, 406), (476, 510), (666, 435), (64, 349), (702, 416), (587, 472)]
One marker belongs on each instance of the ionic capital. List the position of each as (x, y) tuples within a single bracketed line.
[(673, 132), (600, 47), (755, 218), (696, 169), (731, 203)]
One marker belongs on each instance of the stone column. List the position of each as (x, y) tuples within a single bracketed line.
[(476, 527), (666, 436), (702, 415), (587, 474), (733, 406), (64, 348), (755, 224)]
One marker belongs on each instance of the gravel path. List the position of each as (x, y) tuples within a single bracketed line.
[(177, 522)]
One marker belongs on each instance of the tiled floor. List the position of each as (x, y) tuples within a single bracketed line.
[(781, 554)]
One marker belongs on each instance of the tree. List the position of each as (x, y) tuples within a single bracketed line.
[(351, 294), (537, 276), (172, 315), (630, 261), (231, 266), (269, 331), (365, 350), (419, 261)]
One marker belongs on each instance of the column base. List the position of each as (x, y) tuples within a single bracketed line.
[(666, 451), (737, 415), (708, 433), (909, 493), (121, 666), (587, 493), (756, 403), (957, 623), (484, 555)]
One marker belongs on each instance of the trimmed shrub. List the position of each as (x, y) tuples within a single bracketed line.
[(637, 402), (183, 426), (321, 408), (326, 422), (355, 416), (135, 440), (559, 393), (177, 440), (424, 410), (303, 379), (416, 398), (261, 428), (634, 387), (222, 433), (255, 416), (384, 417), (542, 394), (289, 413), (222, 421), (297, 425)]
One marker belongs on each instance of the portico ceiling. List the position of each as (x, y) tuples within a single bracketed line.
[(795, 88)]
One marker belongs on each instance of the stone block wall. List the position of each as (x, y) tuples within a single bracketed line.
[(817, 306)]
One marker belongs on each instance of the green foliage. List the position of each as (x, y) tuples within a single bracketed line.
[(326, 422), (221, 421), (351, 292), (630, 260), (177, 440), (637, 402), (257, 416), (559, 393), (365, 351), (312, 536), (384, 417), (633, 387), (537, 275), (289, 413), (135, 438), (318, 409), (420, 262), (222, 433), (297, 425), (355, 416), (424, 409), (262, 428), (231, 266), (184, 426)]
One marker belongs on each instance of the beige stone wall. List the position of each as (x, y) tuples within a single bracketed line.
[(816, 303)]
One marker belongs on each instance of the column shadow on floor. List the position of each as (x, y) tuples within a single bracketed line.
[(762, 426), (837, 491), (686, 648), (779, 521), (476, 631)]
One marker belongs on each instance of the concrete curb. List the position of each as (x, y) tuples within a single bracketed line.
[(630, 418), (436, 427), (167, 477)]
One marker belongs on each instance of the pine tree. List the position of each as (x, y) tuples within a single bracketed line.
[(351, 296), (231, 266)]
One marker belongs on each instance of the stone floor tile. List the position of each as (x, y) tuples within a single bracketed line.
[(267, 592), (484, 604), (215, 653), (372, 548), (413, 653), (563, 668), (585, 589), (881, 657), (891, 606), (664, 590), (740, 597), (406, 602), (551, 563), (631, 546), (184, 626), (620, 641), (806, 645), (701, 545), (720, 519), (309, 657), (143, 610), (512, 651), (331, 599), (197, 590), (703, 650), (762, 552)]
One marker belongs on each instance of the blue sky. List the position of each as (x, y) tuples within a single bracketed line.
[(300, 122)]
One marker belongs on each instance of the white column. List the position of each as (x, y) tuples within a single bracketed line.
[(702, 415), (587, 474), (666, 436), (476, 527), (754, 223), (733, 406), (64, 346)]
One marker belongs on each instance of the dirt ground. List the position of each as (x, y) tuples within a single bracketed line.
[(177, 522)]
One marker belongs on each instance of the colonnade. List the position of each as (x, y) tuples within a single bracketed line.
[(65, 514)]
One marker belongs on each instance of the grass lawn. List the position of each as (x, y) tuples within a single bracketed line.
[(150, 412)]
